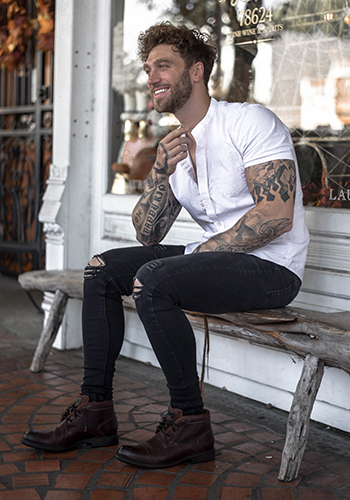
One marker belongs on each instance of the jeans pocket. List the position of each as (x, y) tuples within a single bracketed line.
[(279, 298)]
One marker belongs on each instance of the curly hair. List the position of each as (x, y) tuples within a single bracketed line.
[(192, 45)]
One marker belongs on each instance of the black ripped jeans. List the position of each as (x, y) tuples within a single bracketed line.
[(208, 282)]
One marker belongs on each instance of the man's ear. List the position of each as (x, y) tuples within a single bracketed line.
[(198, 71)]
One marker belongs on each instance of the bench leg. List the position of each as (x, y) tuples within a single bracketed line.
[(50, 330), (299, 418)]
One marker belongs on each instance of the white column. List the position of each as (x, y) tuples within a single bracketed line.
[(80, 143)]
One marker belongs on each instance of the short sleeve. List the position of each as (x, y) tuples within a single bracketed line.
[(260, 136)]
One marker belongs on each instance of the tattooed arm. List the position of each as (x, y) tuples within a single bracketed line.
[(272, 186), (158, 208)]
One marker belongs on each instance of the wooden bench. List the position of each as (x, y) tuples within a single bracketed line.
[(319, 338)]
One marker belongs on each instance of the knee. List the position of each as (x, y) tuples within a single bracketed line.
[(146, 277), (94, 267)]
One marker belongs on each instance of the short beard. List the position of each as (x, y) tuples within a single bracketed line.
[(180, 93)]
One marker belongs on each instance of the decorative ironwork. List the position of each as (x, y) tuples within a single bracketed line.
[(26, 111)]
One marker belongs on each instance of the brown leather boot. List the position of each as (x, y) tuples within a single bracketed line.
[(179, 438), (84, 422)]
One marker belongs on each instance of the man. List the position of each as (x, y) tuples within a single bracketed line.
[(233, 167)]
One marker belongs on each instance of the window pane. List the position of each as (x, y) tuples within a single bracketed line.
[(293, 57)]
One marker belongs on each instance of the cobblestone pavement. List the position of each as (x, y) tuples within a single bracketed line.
[(249, 436)]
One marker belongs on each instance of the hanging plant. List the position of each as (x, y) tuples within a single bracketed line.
[(15, 34), (16, 29), (46, 21)]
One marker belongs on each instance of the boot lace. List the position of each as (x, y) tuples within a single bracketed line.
[(71, 412), (166, 423)]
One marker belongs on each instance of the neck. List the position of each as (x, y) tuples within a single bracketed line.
[(194, 110)]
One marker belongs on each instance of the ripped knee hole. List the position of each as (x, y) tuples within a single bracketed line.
[(94, 267), (136, 294)]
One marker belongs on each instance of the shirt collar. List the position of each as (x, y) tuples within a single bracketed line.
[(207, 118)]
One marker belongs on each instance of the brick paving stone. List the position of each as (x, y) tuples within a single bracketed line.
[(272, 480), (146, 417), (21, 410), (251, 447), (42, 466), (80, 467), (329, 480), (115, 479), (276, 494), (23, 480), (316, 494), (126, 427), (199, 479), (271, 456), (4, 447), (149, 493), (256, 467), (213, 466), (156, 478), (16, 419), (98, 455), (45, 419), (232, 493), (190, 493), (232, 456), (340, 468), (121, 408), (240, 426), (317, 457), (63, 495), (72, 481), (230, 438), (263, 437), (119, 466), (25, 493), (18, 456), (60, 456), (100, 494), (8, 469), (242, 479), (154, 408), (139, 435)]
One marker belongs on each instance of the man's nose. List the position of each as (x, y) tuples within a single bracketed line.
[(153, 77)]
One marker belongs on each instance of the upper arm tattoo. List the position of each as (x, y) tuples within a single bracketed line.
[(271, 180)]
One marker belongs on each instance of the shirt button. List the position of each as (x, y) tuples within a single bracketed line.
[(219, 224), (202, 204)]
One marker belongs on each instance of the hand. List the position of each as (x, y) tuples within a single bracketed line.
[(172, 149)]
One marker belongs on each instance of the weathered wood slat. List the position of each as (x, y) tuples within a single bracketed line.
[(332, 345), (68, 281), (50, 330), (299, 418)]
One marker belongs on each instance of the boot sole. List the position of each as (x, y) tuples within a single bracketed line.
[(93, 442), (205, 456)]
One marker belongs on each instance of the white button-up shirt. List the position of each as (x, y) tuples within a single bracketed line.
[(230, 138)]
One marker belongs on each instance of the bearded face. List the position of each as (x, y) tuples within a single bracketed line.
[(175, 96)]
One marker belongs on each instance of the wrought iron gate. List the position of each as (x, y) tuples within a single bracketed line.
[(26, 109)]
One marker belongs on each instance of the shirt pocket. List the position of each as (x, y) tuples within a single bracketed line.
[(227, 177)]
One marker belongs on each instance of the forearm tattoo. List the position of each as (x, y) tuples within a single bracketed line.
[(272, 186), (156, 210)]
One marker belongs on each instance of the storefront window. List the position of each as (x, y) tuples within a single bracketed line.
[(291, 56)]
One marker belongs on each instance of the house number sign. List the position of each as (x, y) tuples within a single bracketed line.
[(255, 19)]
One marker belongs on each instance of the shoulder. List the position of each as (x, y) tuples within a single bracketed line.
[(245, 111)]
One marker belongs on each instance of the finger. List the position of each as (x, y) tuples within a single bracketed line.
[(174, 134)]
